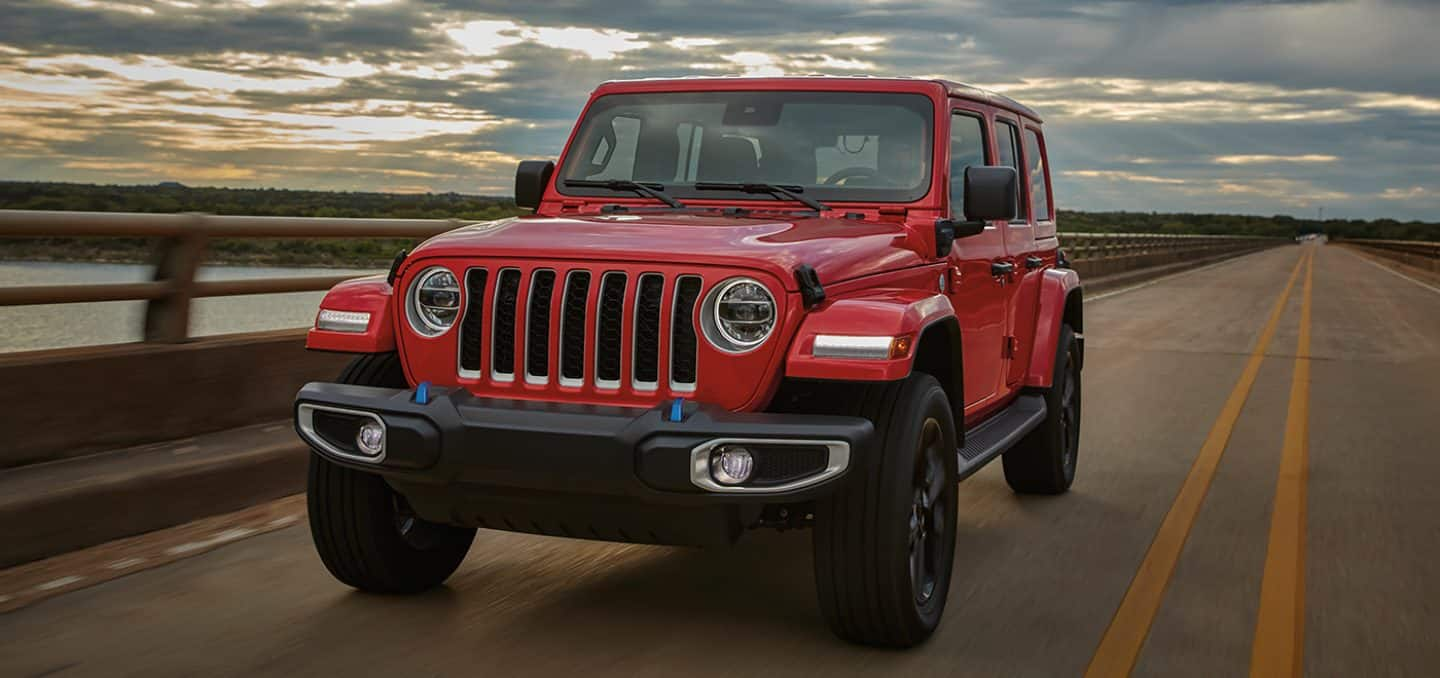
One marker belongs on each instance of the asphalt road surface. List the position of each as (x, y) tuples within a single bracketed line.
[(1157, 561)]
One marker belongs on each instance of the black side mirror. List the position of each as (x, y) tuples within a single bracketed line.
[(991, 193), (530, 180)]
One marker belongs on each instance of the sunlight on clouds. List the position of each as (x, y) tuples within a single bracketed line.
[(755, 63), (486, 38), (155, 69), (1412, 193), (691, 43), (864, 43), (1118, 175), (1268, 159)]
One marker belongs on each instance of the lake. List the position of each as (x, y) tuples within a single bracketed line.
[(24, 328)]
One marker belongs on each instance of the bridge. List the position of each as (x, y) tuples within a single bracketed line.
[(1254, 491)]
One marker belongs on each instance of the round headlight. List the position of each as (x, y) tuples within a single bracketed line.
[(434, 302), (739, 315)]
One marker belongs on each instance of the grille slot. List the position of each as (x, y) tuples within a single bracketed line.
[(473, 325), (646, 361), (609, 329), (779, 464), (682, 333), (573, 312), (502, 342), (537, 327)]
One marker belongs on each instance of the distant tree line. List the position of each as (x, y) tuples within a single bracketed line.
[(171, 197)]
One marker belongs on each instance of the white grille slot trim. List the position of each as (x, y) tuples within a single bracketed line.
[(537, 379), (684, 387), (564, 303), (494, 317), (463, 337), (610, 384), (635, 332)]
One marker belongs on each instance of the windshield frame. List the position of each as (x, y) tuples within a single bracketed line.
[(919, 101)]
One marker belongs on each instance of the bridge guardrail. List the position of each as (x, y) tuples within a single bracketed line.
[(1416, 253), (182, 240)]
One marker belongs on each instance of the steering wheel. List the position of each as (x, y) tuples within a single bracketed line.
[(850, 173)]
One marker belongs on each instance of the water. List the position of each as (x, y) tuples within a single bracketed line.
[(24, 328)]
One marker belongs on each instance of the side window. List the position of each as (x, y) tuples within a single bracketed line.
[(1009, 143), (1038, 189), (967, 147), (617, 162)]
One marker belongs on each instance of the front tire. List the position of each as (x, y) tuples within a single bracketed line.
[(1043, 462), (365, 532), (885, 544)]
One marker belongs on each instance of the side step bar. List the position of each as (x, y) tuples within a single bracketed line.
[(1000, 432)]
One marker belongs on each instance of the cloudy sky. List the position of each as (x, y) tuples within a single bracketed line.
[(1195, 105)]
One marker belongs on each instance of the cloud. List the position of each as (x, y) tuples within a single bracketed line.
[(1172, 105)]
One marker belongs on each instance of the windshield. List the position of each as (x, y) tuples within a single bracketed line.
[(841, 146)]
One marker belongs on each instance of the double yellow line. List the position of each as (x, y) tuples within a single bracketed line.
[(1278, 647)]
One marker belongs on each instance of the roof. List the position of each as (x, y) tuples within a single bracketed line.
[(952, 88)]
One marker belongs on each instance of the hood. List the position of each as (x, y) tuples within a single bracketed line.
[(838, 249)]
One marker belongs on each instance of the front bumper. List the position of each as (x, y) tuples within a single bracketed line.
[(459, 458)]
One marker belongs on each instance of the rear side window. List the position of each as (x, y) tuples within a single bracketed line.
[(1009, 144), (1038, 189), (967, 147)]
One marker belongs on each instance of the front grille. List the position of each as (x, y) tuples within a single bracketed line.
[(609, 323)]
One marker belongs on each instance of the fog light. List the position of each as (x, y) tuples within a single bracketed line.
[(371, 439), (731, 464)]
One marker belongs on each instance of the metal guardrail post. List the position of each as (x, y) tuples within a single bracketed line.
[(167, 319)]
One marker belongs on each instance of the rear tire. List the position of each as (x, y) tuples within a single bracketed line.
[(1043, 462), (365, 532), (885, 544)]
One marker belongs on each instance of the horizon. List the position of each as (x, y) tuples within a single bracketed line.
[(1183, 106)]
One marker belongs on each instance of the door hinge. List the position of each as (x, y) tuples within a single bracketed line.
[(1012, 347)]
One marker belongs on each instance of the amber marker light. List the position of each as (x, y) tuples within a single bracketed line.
[(861, 348)]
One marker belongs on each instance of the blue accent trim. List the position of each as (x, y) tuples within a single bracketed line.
[(422, 393), (677, 409)]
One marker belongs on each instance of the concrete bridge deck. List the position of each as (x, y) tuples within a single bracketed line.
[(1200, 366)]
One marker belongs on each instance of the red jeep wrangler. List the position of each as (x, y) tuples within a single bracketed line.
[(741, 303)]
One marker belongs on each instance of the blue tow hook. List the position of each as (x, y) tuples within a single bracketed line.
[(677, 409), (422, 393)]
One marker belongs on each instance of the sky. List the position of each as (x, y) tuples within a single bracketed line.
[(1262, 107)]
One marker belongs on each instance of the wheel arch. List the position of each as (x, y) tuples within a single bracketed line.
[(1061, 303), (371, 295)]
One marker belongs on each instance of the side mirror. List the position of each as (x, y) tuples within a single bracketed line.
[(530, 180), (991, 193)]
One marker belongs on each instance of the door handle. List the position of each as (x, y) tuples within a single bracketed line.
[(999, 268), (1033, 262)]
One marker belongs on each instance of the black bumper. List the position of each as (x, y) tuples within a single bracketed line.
[(457, 452)]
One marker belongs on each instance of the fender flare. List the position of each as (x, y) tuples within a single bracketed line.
[(371, 295), (921, 316), (1061, 302)]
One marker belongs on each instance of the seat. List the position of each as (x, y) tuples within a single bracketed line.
[(727, 159)]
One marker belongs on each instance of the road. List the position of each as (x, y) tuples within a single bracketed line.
[(1039, 582)]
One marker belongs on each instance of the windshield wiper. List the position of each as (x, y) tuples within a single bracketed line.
[(656, 191), (778, 190)]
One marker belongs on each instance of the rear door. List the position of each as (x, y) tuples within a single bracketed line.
[(1021, 246), (978, 297)]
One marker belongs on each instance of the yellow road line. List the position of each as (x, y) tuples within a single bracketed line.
[(1280, 626), (1120, 646)]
